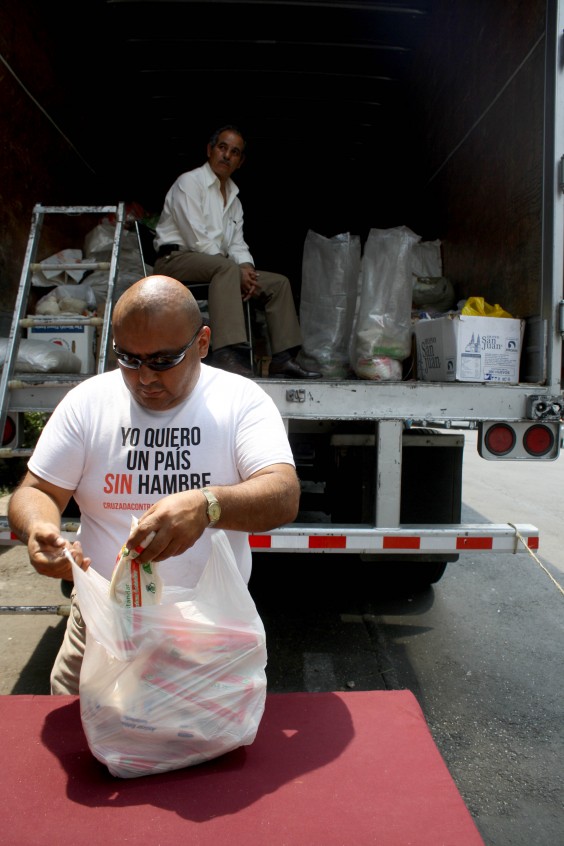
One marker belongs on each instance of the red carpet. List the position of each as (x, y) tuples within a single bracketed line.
[(326, 769)]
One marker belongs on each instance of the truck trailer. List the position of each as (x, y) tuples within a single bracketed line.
[(445, 117)]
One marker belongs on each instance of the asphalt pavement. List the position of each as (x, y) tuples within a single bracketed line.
[(481, 650)]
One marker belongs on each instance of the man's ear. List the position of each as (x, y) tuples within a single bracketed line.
[(209, 149), (204, 342)]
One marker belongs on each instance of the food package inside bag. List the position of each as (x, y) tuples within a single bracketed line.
[(133, 584)]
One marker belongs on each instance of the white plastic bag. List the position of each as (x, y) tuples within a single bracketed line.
[(46, 278), (171, 685), (426, 259), (68, 299), (330, 269), (98, 246), (383, 328), (41, 357), (432, 292), (379, 368)]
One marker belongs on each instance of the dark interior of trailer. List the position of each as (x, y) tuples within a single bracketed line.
[(357, 115)]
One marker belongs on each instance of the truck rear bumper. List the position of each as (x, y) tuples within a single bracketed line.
[(408, 539), (363, 540)]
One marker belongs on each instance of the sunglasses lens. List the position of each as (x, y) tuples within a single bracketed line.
[(164, 363), (158, 364), (128, 361)]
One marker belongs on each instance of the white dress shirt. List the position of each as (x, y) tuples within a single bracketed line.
[(195, 217)]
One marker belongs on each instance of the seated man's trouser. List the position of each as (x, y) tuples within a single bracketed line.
[(225, 304), (66, 669)]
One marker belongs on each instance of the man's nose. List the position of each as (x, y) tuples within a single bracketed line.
[(146, 375)]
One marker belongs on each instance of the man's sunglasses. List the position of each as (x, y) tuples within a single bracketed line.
[(155, 362)]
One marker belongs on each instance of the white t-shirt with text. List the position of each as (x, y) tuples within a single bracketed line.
[(120, 458)]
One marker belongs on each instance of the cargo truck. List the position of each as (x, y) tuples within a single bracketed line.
[(463, 141)]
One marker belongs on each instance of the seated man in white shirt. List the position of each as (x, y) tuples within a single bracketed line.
[(199, 238)]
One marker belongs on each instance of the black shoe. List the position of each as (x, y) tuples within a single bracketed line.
[(227, 359), (290, 369)]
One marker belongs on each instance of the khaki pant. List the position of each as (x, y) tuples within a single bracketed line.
[(66, 669), (225, 304)]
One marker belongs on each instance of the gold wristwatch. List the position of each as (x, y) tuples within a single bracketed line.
[(214, 508)]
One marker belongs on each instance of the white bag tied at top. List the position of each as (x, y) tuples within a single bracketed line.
[(330, 272), (173, 684), (383, 330)]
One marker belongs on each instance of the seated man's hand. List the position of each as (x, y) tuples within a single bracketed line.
[(249, 284)]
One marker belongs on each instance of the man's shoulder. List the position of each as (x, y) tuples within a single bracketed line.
[(222, 383), (101, 379), (99, 383), (200, 175)]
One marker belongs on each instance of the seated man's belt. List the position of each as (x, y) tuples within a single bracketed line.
[(167, 249)]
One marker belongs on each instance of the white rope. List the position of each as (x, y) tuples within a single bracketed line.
[(541, 565)]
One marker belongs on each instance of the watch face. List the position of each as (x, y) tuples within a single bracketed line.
[(214, 508), (214, 512)]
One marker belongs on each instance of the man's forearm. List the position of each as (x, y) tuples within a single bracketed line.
[(265, 501), (34, 515), (29, 506), (268, 499)]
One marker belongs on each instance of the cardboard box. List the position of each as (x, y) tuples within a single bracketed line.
[(457, 348), (79, 339)]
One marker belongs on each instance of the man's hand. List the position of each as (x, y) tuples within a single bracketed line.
[(177, 520), (249, 284), (34, 514), (46, 550), (268, 498)]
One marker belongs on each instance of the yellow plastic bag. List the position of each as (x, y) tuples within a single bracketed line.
[(478, 307)]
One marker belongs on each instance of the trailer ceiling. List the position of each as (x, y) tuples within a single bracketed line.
[(322, 90), (277, 67), (297, 76)]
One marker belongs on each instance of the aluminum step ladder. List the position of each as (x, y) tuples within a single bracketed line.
[(20, 392)]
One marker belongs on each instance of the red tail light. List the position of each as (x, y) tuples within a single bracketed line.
[(521, 440), (500, 439), (9, 431), (538, 440)]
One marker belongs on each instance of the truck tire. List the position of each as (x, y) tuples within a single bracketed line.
[(419, 577), (408, 576)]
